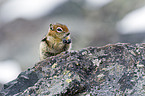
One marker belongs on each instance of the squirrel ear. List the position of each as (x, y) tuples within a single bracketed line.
[(50, 26)]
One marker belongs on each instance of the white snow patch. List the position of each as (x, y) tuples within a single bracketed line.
[(133, 22), (27, 9), (9, 70)]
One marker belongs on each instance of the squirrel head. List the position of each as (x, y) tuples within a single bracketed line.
[(58, 31)]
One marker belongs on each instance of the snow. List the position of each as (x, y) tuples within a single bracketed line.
[(27, 9), (133, 22), (9, 70)]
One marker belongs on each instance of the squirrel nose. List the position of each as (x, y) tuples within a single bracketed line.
[(66, 35)]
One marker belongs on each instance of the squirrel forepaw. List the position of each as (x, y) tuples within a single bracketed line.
[(66, 41)]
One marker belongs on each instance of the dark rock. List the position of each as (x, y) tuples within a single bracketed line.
[(117, 69), (24, 80)]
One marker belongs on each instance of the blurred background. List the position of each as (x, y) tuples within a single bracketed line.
[(23, 23)]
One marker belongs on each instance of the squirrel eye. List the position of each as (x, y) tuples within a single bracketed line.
[(59, 29), (51, 28)]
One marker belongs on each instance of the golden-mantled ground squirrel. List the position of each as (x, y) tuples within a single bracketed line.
[(56, 41)]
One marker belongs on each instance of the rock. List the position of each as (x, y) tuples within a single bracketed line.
[(115, 69)]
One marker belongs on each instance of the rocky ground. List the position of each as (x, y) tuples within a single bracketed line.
[(117, 69)]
